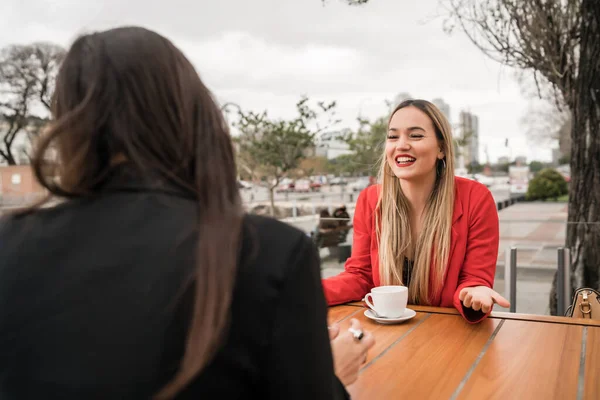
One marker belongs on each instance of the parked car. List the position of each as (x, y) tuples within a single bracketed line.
[(338, 180), (286, 185), (302, 186), (315, 186), (305, 186)]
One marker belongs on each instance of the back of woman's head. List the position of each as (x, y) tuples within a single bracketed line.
[(129, 94)]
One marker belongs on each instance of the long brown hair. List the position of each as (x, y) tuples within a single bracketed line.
[(432, 247), (129, 93)]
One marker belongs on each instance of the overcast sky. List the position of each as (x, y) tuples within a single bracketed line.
[(265, 54)]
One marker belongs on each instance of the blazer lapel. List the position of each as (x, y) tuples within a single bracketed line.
[(457, 214)]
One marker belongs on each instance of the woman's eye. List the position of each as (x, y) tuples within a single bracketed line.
[(416, 136), (392, 137)]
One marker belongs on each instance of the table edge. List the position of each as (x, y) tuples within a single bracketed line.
[(500, 315)]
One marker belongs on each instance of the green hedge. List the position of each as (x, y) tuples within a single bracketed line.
[(547, 184)]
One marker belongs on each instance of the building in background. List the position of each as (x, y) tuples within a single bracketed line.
[(18, 186), (400, 97), (332, 144), (469, 129), (521, 160), (444, 108)]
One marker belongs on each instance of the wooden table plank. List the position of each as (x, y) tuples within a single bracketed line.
[(528, 360), (592, 365), (385, 335), (338, 313), (429, 363)]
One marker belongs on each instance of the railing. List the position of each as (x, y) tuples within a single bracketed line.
[(531, 252), (510, 277), (292, 203), (563, 284)]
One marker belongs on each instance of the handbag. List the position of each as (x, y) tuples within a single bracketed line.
[(586, 304)]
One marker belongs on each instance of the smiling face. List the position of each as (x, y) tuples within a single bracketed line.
[(412, 148)]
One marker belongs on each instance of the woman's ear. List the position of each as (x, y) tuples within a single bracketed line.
[(442, 152)]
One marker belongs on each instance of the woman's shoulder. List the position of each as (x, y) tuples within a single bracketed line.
[(268, 229), (470, 189), (474, 198), (271, 252), (369, 197), (268, 239)]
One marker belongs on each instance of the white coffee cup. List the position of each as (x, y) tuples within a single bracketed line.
[(388, 301)]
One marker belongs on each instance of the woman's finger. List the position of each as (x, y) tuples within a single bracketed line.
[(467, 300), (501, 301), (334, 331)]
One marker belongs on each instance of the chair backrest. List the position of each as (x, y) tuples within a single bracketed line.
[(332, 238)]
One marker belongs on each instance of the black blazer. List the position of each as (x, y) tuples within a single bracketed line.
[(91, 305)]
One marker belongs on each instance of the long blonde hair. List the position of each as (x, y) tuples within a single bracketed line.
[(432, 247)]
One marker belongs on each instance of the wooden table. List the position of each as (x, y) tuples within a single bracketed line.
[(437, 355)]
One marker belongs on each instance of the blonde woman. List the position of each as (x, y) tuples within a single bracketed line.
[(422, 227)]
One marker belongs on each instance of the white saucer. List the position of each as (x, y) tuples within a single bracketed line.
[(408, 314)]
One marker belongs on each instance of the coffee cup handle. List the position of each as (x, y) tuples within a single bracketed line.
[(368, 300)]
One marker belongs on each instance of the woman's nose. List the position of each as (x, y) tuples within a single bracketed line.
[(402, 143)]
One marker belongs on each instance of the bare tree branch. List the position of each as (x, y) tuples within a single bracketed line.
[(27, 77), (534, 35)]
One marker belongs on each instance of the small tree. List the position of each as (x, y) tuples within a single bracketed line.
[(277, 145), (536, 166), (314, 165), (547, 118), (367, 147), (548, 184), (474, 168)]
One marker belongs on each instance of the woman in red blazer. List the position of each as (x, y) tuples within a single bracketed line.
[(422, 227)]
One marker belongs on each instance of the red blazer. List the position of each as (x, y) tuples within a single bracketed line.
[(472, 259)]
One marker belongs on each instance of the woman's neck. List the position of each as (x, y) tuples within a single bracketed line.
[(417, 193)]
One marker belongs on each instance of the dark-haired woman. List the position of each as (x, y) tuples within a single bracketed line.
[(148, 281)]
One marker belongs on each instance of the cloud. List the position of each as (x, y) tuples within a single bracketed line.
[(239, 60), (264, 54)]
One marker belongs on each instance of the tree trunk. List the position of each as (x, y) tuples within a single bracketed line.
[(583, 229), (272, 199), (8, 156)]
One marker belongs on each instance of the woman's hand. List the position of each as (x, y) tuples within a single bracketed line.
[(481, 298), (349, 354)]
